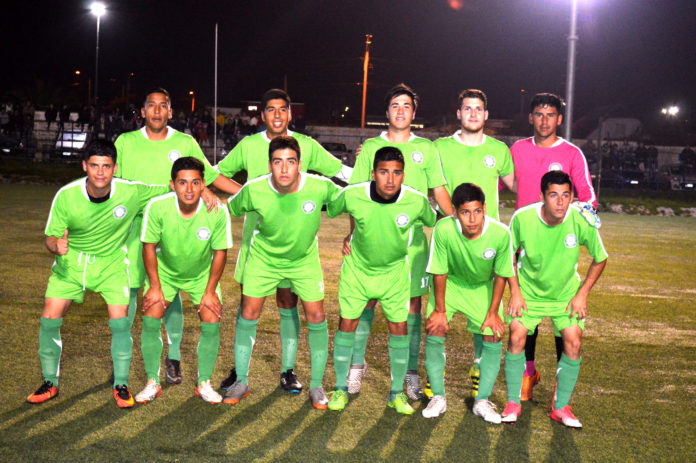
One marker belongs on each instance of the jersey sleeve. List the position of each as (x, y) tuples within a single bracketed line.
[(119, 155), (338, 205), (515, 232), (428, 214), (233, 162), (437, 261), (580, 175), (433, 171), (331, 191), (241, 203), (57, 221), (363, 165), (506, 165), (503, 257), (152, 224), (323, 161), (148, 192), (222, 235), (592, 241), (210, 173)]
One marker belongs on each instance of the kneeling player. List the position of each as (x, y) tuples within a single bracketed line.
[(87, 230), (548, 235), (180, 238), (470, 260), (385, 214)]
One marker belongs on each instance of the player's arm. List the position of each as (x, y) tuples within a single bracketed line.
[(507, 171), (210, 299), (582, 181), (578, 304), (509, 181), (58, 246), (154, 295), (226, 185), (443, 200), (437, 322), (56, 230), (493, 320), (516, 302)]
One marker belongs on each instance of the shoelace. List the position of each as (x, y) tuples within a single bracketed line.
[(45, 387), (122, 392)]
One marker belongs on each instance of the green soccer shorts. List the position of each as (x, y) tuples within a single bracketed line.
[(418, 258), (473, 303), (536, 311), (195, 288), (250, 221), (304, 276)]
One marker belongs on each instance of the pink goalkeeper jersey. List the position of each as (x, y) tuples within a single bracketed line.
[(532, 162)]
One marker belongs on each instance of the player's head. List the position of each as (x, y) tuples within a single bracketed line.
[(388, 171), (473, 110), (556, 193), (275, 112), (546, 114), (187, 180), (99, 162), (284, 163), (469, 203), (401, 102), (157, 109)]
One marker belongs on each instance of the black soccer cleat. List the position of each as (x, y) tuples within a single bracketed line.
[(229, 381), (173, 371), (289, 382)]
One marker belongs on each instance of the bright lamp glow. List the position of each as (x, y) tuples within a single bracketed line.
[(98, 9), (673, 110)]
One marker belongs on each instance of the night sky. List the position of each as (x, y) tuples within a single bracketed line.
[(637, 55)]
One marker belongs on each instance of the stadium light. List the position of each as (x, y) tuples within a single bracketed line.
[(98, 9), (670, 111)]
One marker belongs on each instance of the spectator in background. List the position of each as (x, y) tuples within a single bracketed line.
[(50, 116), (64, 116), (687, 156)]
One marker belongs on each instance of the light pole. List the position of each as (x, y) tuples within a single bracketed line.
[(570, 82), (98, 9)]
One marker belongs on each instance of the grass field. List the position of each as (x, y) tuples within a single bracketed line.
[(635, 395)]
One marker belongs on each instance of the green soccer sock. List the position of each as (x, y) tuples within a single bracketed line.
[(362, 333), (398, 360), (289, 334), (151, 346), (318, 339), (490, 366), (244, 340), (478, 349), (566, 377), (514, 368), (121, 349), (208, 346), (435, 363), (133, 305), (413, 323), (50, 348), (343, 351), (174, 324)]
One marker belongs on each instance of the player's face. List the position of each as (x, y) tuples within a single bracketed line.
[(276, 115), (157, 111), (472, 115), (285, 169), (100, 170), (471, 216), (401, 112), (545, 120), (188, 187), (388, 177), (556, 201)]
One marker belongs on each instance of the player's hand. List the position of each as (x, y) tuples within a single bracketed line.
[(515, 305), (211, 301), (437, 323), (346, 245), (210, 199), (62, 244), (153, 297), (578, 305), (494, 322)]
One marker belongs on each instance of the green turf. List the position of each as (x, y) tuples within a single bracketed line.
[(635, 394)]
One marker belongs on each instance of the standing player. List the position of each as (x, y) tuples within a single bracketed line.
[(146, 155), (278, 252), (470, 260), (87, 230), (548, 235), (422, 170), (470, 156), (385, 214), (251, 155), (533, 157), (184, 248)]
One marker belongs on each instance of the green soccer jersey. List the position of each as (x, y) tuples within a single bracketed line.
[(481, 165), (288, 223), (185, 245), (251, 155), (98, 228), (422, 168), (382, 232), (148, 161), (547, 267)]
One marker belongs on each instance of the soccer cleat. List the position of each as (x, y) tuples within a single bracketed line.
[(151, 392), (511, 413), (45, 392), (413, 390), (339, 400), (229, 381), (236, 392), (173, 371), (318, 398), (401, 405), (123, 396), (436, 407), (528, 383), (474, 377), (565, 416), (289, 382), (206, 392), (355, 377), (487, 410)]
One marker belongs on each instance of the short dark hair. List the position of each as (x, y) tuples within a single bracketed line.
[(388, 153), (274, 94), (547, 99), (473, 93), (283, 142), (157, 90), (401, 89), (187, 163), (100, 147), (467, 192), (555, 177)]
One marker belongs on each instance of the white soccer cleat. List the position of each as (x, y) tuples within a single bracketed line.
[(487, 410), (206, 392), (151, 392), (355, 377), (436, 407), (413, 389)]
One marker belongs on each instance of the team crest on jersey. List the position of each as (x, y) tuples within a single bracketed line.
[(120, 212), (174, 155), (402, 220), (417, 157), (488, 254), (203, 233), (308, 207), (489, 161), (555, 166), (570, 240)]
